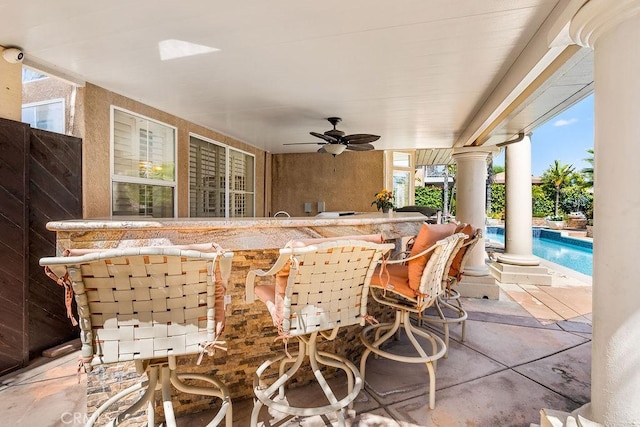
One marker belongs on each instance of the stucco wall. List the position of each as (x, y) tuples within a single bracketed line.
[(96, 178), (10, 90), (345, 182)]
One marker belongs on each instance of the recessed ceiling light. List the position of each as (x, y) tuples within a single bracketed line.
[(172, 49)]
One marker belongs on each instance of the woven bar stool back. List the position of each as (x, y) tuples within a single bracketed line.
[(317, 290), (149, 305)]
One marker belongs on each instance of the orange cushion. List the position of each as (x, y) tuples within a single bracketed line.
[(456, 265), (395, 278), (429, 234), (273, 300)]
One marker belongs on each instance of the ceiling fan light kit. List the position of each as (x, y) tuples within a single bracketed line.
[(335, 141), (334, 149)]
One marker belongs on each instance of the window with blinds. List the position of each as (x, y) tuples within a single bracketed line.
[(221, 180), (143, 179)]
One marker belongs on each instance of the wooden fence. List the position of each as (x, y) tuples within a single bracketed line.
[(40, 181)]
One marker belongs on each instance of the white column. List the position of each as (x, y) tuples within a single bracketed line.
[(612, 29), (471, 178), (517, 230)]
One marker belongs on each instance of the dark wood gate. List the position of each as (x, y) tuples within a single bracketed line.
[(40, 181)]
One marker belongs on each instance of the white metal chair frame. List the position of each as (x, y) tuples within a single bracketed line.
[(149, 305), (327, 289), (449, 296), (431, 283)]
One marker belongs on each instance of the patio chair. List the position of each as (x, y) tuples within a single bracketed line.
[(317, 289), (394, 288), (449, 300), (149, 305)]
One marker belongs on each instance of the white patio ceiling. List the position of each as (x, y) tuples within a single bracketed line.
[(422, 74)]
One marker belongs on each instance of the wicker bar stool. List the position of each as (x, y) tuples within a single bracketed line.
[(394, 289), (449, 299), (318, 289), (149, 305)]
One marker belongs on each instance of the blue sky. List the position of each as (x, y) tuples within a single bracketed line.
[(566, 138)]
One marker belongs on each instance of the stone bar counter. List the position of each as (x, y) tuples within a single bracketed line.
[(233, 234), (249, 333)]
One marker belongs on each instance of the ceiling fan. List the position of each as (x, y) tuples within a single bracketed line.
[(335, 141)]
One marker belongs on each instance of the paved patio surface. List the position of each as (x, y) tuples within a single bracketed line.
[(530, 350)]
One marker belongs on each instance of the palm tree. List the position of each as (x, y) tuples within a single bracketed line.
[(557, 176)]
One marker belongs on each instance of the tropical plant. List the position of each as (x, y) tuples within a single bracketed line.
[(541, 205), (557, 176), (576, 198), (430, 196), (587, 173), (497, 200)]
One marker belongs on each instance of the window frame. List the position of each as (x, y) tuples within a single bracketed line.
[(47, 102), (137, 180), (227, 172), (390, 168)]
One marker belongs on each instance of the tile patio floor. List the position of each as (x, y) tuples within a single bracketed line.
[(530, 350)]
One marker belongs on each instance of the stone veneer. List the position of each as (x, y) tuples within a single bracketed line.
[(249, 332)]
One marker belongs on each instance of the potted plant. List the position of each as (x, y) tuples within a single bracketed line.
[(590, 228), (555, 222), (384, 201)]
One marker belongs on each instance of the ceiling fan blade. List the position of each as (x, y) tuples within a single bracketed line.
[(360, 138), (360, 147), (327, 138), (304, 143)]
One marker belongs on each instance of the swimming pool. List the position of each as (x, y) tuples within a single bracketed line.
[(576, 254)]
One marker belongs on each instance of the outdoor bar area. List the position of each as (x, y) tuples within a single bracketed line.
[(255, 243)]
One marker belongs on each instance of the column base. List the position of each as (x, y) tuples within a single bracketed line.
[(478, 287), (514, 259), (520, 274), (577, 418)]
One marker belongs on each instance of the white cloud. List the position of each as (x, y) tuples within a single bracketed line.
[(563, 122)]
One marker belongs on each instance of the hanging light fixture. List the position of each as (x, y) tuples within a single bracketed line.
[(334, 149)]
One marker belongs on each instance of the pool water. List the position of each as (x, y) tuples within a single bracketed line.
[(576, 254)]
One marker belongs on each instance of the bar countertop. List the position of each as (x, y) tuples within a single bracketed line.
[(231, 233)]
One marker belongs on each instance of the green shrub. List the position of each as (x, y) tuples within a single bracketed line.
[(541, 205), (430, 196), (497, 200)]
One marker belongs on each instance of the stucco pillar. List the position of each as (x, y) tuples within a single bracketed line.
[(471, 178), (518, 240), (471, 190), (10, 89), (518, 264), (612, 29)]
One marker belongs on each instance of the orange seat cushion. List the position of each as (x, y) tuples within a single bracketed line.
[(273, 300), (456, 265), (395, 278), (428, 236)]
